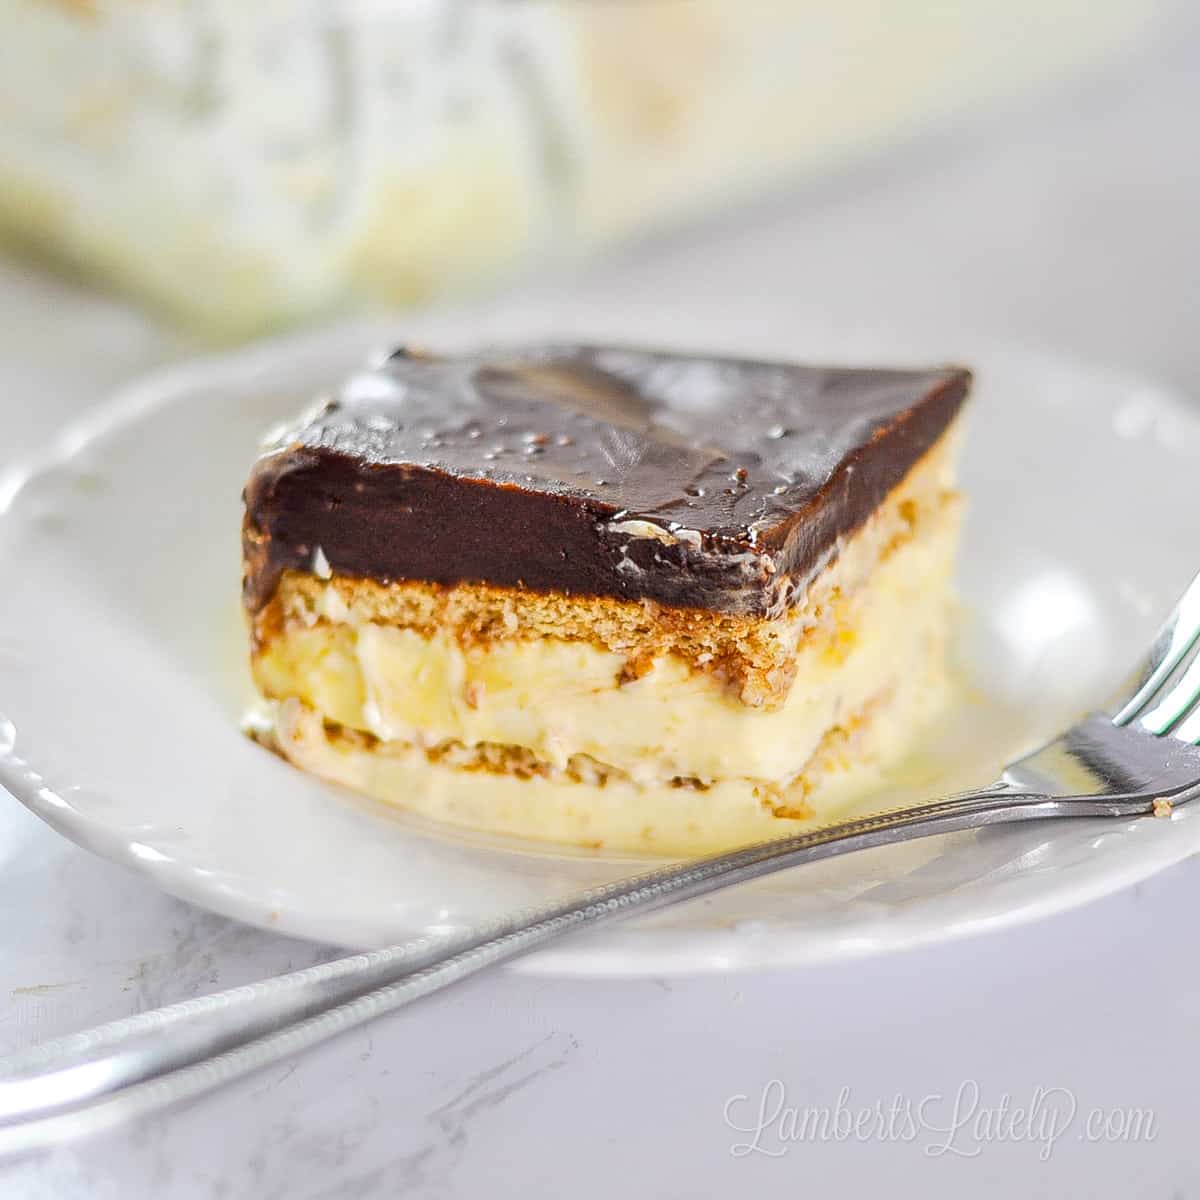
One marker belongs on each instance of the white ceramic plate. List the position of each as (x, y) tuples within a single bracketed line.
[(122, 676)]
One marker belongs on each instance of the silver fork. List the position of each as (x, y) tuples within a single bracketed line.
[(1142, 759)]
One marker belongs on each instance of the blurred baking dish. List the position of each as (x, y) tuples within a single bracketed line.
[(243, 164)]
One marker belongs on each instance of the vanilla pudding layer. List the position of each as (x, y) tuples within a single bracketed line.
[(503, 790)]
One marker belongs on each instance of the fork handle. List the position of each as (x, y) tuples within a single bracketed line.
[(128, 1068)]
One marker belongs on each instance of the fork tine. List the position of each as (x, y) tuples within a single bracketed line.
[(1189, 727), (1176, 641), (1175, 702)]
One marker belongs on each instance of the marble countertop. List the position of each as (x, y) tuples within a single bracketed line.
[(1073, 228)]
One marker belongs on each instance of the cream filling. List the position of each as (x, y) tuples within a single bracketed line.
[(558, 698), (619, 814)]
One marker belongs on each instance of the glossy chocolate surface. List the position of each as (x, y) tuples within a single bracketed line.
[(709, 483)]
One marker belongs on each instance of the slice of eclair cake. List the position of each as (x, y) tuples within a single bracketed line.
[(608, 596)]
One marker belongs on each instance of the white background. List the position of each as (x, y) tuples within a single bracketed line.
[(1075, 228)]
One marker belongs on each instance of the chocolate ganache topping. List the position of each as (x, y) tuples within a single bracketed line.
[(709, 483)]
